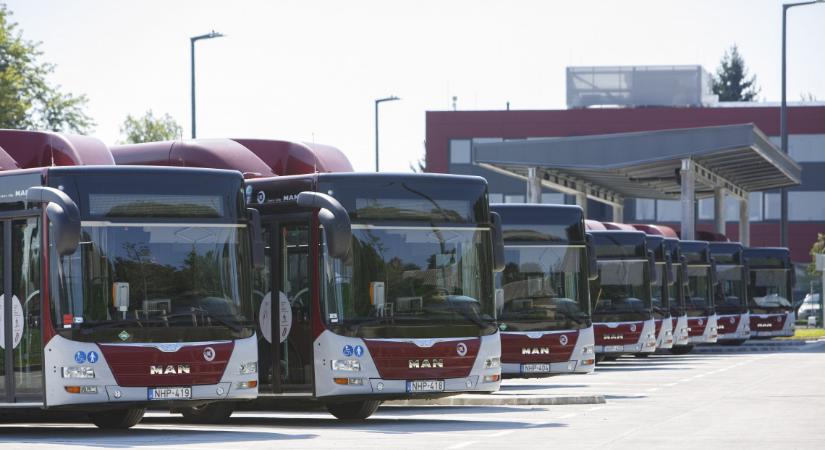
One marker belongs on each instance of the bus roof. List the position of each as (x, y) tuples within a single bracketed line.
[(255, 158), (24, 149), (619, 244), (659, 230), (557, 224)]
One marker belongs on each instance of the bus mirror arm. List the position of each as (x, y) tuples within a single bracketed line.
[(592, 262), (63, 214), (651, 262), (256, 236), (334, 218), (498, 242)]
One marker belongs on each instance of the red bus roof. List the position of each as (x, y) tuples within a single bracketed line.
[(24, 149), (658, 230), (594, 225), (618, 226)]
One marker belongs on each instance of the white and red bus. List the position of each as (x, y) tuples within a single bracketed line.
[(661, 286), (542, 294), (676, 298), (623, 320), (731, 302), (771, 280), (375, 286), (699, 292), (123, 287)]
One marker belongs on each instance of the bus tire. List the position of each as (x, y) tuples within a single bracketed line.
[(214, 413), (681, 349), (353, 410), (118, 419)]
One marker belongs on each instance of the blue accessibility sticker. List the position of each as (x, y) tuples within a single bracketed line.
[(359, 351), (80, 357), (92, 356), (347, 350)]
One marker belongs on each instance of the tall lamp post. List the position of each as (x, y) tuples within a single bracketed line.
[(211, 35), (391, 98), (783, 123)]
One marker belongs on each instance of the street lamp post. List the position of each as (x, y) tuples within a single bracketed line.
[(377, 102), (783, 125), (211, 35)]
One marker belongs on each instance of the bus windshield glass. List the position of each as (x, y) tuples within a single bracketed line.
[(622, 291), (730, 292), (542, 288), (659, 303), (697, 291), (411, 281), (769, 289)]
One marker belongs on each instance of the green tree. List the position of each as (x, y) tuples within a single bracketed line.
[(27, 99), (818, 247), (149, 128), (732, 83)]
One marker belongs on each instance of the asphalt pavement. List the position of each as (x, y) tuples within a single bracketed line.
[(765, 400)]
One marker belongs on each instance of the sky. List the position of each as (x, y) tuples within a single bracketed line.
[(310, 70)]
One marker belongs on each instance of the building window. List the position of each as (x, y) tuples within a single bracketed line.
[(804, 147), (668, 210), (513, 199), (496, 198), (755, 206), (732, 207), (645, 209), (772, 207), (706, 208), (552, 198), (460, 151), (806, 205)]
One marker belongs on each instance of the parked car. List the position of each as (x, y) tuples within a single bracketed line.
[(810, 306)]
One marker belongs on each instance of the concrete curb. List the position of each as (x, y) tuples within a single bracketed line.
[(503, 400)]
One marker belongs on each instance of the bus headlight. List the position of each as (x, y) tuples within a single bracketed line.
[(587, 350), (492, 363), (78, 372), (249, 368), (350, 365)]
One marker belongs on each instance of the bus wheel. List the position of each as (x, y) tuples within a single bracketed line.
[(209, 413), (118, 419), (681, 349), (353, 410)]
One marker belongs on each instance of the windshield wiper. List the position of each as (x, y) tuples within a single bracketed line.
[(203, 312)]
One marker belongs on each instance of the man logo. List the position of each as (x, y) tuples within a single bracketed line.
[(426, 364), (613, 337), (563, 340), (701, 322), (180, 369), (732, 320), (209, 353), (633, 328), (461, 349), (535, 351)]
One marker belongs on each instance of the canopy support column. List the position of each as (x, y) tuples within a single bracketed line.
[(719, 210), (687, 197), (744, 222), (618, 213), (581, 200), (533, 185)]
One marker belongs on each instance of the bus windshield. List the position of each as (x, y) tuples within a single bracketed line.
[(769, 289), (411, 281), (154, 282), (542, 288), (697, 292), (730, 292), (622, 291)]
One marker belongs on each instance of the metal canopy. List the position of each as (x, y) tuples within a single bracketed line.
[(611, 167)]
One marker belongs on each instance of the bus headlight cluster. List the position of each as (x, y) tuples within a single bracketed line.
[(78, 372), (81, 389), (492, 363), (249, 368), (587, 350), (350, 365)]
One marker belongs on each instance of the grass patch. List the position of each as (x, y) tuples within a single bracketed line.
[(807, 334)]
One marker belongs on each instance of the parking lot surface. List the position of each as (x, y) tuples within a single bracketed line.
[(738, 400)]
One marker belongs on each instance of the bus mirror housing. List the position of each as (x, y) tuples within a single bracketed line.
[(334, 218), (592, 261), (651, 262), (256, 236), (498, 242), (63, 214), (120, 291)]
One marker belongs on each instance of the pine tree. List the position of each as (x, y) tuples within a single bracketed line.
[(732, 83)]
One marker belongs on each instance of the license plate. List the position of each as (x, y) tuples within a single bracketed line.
[(425, 386), (535, 368), (170, 393), (613, 348)]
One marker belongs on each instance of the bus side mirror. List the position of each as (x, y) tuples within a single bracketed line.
[(63, 214), (256, 236), (498, 242), (592, 261), (651, 262), (335, 220)]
